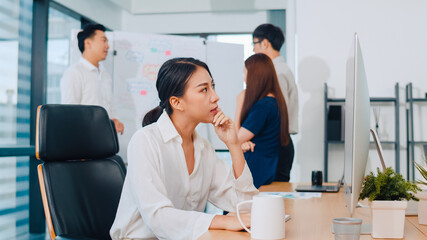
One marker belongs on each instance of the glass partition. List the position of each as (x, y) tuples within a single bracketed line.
[(58, 59), (15, 91)]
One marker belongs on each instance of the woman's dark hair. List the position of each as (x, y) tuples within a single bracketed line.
[(172, 81), (88, 32), (261, 79)]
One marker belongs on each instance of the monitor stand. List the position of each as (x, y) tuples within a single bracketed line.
[(379, 148), (366, 228)]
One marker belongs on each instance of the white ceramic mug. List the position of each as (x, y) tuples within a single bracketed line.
[(267, 217)]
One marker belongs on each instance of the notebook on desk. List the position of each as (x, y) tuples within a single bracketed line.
[(323, 188)]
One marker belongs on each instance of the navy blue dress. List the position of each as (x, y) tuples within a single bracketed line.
[(264, 122)]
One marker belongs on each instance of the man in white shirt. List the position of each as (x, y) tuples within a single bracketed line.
[(268, 39), (87, 82)]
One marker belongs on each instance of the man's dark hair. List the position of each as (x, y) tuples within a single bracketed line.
[(88, 32), (270, 32)]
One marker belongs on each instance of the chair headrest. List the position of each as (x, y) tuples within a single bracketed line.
[(73, 132)]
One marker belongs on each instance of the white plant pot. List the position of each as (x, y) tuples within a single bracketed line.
[(422, 208), (412, 209), (388, 219)]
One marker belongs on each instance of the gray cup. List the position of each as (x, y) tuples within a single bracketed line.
[(347, 228)]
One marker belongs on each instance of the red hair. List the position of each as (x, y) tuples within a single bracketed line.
[(261, 79)]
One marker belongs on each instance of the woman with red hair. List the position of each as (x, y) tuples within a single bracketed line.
[(262, 119)]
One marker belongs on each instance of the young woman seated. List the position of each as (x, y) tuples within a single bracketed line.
[(173, 172)]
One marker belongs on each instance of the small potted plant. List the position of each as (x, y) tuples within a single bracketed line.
[(389, 193), (422, 205)]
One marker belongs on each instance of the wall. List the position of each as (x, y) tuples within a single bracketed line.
[(207, 22), (213, 17), (393, 37), (101, 11), (319, 35), (188, 6)]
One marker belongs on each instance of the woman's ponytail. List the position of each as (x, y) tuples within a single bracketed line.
[(152, 116)]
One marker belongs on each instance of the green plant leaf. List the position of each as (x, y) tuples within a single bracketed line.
[(387, 186), (422, 171)]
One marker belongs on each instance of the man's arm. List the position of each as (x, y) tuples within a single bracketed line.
[(119, 126)]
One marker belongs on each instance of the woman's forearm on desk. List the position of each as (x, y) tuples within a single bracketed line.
[(230, 222)]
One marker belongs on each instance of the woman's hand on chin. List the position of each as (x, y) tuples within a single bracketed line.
[(224, 128)]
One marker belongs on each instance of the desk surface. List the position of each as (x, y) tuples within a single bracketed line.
[(312, 218)]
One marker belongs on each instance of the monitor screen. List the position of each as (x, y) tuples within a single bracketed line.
[(357, 120)]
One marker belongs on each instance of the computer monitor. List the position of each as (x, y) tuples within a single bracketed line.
[(357, 120)]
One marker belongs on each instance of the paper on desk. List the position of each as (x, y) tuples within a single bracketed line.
[(294, 195)]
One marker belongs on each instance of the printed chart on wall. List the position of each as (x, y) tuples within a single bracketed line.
[(136, 64)]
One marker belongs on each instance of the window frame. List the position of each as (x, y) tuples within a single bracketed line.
[(40, 21)]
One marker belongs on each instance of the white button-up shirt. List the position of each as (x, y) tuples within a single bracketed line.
[(289, 91), (160, 199), (83, 83)]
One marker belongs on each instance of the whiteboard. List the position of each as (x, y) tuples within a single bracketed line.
[(134, 60), (136, 64)]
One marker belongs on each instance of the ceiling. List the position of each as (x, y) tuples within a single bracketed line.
[(185, 6)]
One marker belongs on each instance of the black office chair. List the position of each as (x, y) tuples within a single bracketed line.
[(81, 178)]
